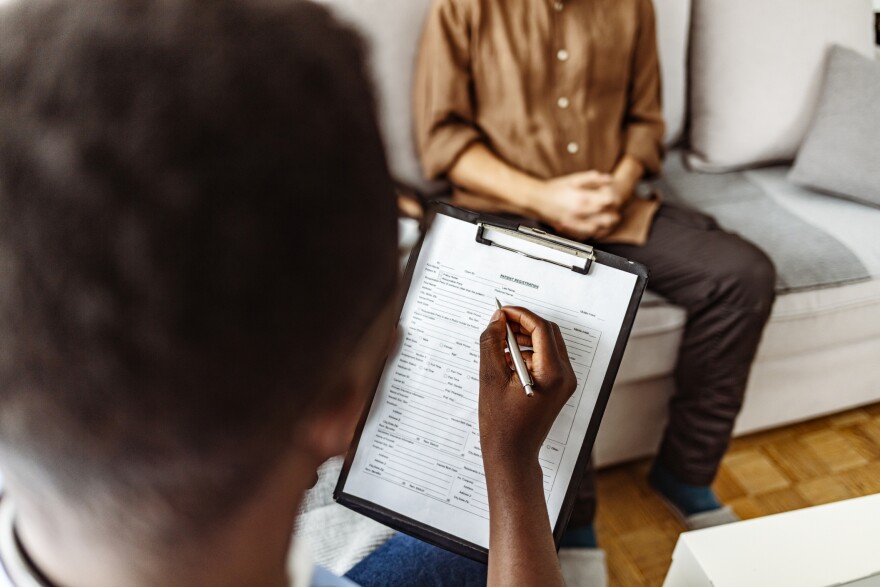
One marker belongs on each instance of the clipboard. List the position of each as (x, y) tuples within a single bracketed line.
[(513, 238)]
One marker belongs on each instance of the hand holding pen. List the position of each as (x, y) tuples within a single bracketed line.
[(512, 424)]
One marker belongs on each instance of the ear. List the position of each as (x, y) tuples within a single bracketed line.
[(328, 433)]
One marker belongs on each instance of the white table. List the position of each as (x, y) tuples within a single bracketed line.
[(834, 544)]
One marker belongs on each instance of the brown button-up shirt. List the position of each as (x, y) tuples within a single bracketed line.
[(552, 87)]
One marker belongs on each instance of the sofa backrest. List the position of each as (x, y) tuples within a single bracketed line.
[(673, 33), (757, 68), (392, 29)]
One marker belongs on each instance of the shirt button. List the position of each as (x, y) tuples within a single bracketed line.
[(562, 102), (558, 6), (562, 55), (572, 148)]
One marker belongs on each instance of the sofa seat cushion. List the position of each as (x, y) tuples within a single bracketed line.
[(802, 322), (855, 226), (827, 254)]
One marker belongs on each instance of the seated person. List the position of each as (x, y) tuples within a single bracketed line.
[(550, 110), (184, 338)]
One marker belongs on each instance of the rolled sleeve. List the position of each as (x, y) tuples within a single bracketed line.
[(443, 101), (644, 127)]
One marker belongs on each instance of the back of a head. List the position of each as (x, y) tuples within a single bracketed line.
[(196, 222)]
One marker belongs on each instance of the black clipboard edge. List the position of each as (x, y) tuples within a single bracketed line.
[(585, 454), (415, 529), (427, 533)]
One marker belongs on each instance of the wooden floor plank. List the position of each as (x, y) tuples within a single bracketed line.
[(649, 548), (815, 462), (783, 500), (726, 486), (834, 450), (761, 438), (755, 472), (621, 569), (849, 418), (872, 410), (863, 480), (746, 507), (824, 490), (795, 462), (872, 430), (865, 438)]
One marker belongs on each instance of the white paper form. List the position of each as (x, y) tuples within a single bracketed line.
[(419, 452)]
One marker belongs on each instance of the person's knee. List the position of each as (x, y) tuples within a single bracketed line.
[(748, 277)]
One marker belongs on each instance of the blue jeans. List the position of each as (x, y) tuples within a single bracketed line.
[(404, 561)]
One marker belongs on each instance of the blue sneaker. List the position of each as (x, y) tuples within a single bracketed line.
[(695, 505)]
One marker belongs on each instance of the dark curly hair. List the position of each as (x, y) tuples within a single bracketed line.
[(196, 225)]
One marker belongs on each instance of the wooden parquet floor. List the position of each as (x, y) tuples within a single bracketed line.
[(815, 462)]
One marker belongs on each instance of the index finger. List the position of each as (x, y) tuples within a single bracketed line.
[(533, 325), (527, 320)]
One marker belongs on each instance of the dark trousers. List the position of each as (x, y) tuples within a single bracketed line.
[(726, 285)]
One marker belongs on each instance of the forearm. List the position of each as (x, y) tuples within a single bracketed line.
[(521, 548), (480, 171), (627, 174)]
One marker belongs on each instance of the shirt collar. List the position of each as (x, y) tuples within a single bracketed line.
[(22, 572), (300, 565), (14, 559)]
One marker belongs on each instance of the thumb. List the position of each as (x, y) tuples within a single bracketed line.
[(591, 179), (493, 364)]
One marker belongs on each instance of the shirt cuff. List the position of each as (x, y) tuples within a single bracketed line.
[(445, 146), (637, 216), (642, 143)]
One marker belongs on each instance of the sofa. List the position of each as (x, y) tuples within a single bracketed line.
[(820, 353)]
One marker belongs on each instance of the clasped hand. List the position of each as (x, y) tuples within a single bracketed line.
[(582, 205)]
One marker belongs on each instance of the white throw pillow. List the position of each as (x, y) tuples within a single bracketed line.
[(392, 29), (756, 70), (673, 29)]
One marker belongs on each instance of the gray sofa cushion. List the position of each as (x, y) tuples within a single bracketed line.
[(755, 204), (841, 153)]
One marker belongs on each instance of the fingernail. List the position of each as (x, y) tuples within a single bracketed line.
[(497, 315)]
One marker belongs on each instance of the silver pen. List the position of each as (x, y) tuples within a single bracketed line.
[(518, 362)]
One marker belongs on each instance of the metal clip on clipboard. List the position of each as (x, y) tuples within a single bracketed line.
[(538, 244)]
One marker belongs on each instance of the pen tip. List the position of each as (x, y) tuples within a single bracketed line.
[(498, 302)]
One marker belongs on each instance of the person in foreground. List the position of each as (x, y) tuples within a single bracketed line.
[(198, 249), (549, 110)]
